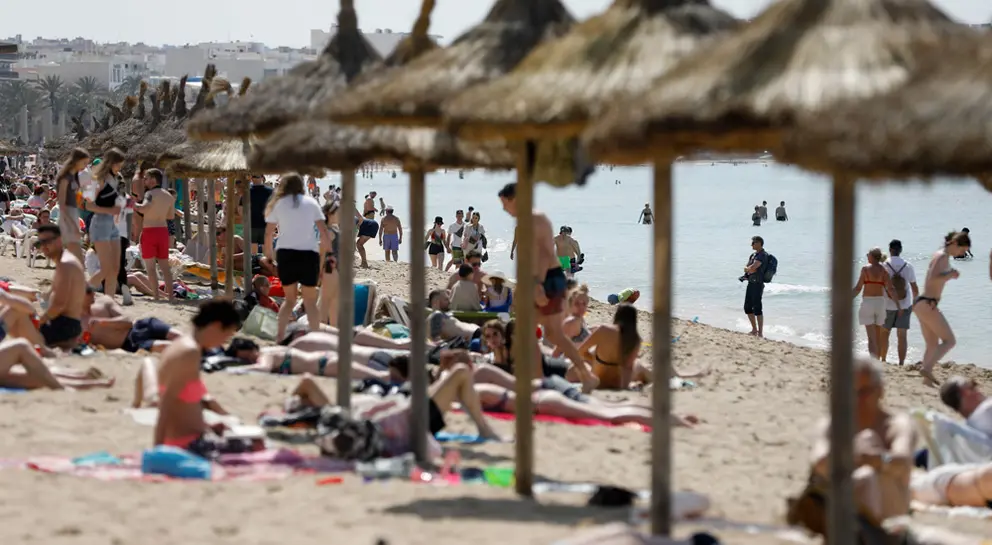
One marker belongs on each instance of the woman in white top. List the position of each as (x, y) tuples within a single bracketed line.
[(303, 236), (472, 237)]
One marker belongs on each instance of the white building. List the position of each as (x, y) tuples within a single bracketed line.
[(109, 71), (234, 61), (383, 39)]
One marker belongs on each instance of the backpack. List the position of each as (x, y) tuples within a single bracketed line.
[(898, 282), (770, 269)]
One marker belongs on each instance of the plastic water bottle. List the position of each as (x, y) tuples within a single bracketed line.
[(400, 467), (175, 462)]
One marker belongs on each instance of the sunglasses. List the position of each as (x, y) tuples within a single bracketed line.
[(476, 264), (43, 242)]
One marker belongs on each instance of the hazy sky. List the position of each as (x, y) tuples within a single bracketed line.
[(288, 22)]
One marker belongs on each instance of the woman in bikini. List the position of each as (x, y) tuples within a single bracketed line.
[(181, 391), (283, 360), (957, 485), (936, 331), (574, 325), (436, 243), (328, 297), (875, 283), (498, 339), (612, 350)]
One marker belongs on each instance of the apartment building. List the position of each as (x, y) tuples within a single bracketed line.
[(383, 39), (8, 57)]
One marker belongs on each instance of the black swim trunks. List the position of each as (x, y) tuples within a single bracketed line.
[(555, 284), (144, 333), (61, 331), (368, 228)]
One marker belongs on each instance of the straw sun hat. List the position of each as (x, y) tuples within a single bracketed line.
[(487, 279)]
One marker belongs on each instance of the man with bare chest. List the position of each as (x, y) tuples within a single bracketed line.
[(156, 210), (109, 328), (551, 285), (60, 325), (390, 234)]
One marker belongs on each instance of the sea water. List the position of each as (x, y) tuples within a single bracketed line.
[(712, 226)]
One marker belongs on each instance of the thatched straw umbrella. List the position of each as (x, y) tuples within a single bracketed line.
[(7, 147), (937, 126), (799, 56), (292, 97), (555, 91), (413, 95)]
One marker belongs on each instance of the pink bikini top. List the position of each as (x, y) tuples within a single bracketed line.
[(193, 392)]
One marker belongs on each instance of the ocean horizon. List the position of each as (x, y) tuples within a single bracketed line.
[(712, 231)]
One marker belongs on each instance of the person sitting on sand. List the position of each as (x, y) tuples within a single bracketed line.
[(883, 459), (499, 341), (936, 331), (465, 293), (498, 295), (259, 295), (111, 329), (135, 279), (392, 413), (612, 350), (474, 260), (574, 324), (182, 394), (442, 326), (34, 373)]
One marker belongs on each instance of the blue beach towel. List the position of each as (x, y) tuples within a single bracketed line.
[(361, 303), (463, 438)]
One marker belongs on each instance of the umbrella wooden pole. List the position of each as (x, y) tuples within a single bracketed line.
[(229, 209), (346, 286), (841, 510), (524, 345), (212, 232), (418, 329), (661, 351), (187, 218), (248, 250)]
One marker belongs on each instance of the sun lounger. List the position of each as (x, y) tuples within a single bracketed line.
[(951, 441)]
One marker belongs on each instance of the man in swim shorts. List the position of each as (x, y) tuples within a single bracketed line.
[(110, 329), (391, 234), (157, 208), (552, 284), (60, 324)]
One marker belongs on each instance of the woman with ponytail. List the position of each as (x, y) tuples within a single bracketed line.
[(936, 331)]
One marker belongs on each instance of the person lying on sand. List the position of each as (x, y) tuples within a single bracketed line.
[(135, 279), (883, 451), (283, 360), (958, 485), (109, 328), (553, 396), (442, 326), (182, 394), (392, 413), (299, 336), (34, 373)]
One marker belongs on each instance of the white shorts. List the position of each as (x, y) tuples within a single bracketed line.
[(872, 311), (931, 487)]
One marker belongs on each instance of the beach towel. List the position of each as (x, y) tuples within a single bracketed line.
[(263, 465), (951, 441), (460, 438), (571, 421), (149, 416)]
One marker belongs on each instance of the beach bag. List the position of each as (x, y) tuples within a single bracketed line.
[(341, 435), (899, 282), (770, 269)]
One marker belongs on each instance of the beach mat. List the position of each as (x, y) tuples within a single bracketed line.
[(266, 465), (460, 438), (570, 421)]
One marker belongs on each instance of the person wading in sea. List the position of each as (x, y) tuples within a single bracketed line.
[(646, 216)]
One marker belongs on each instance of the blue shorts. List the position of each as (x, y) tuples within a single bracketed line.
[(104, 229), (391, 242), (144, 333)]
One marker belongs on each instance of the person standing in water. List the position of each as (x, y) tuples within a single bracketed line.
[(552, 284), (646, 216), (780, 214), (763, 209), (391, 234), (936, 331), (756, 217)]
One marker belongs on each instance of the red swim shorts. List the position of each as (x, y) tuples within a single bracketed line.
[(155, 243)]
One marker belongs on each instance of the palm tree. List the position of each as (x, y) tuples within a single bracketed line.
[(14, 97), (89, 94), (128, 87), (51, 86)]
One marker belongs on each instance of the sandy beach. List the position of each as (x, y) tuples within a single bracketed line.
[(751, 452)]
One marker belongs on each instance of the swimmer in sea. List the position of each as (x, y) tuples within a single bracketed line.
[(968, 254), (763, 210), (933, 325), (646, 216), (756, 217), (780, 214)]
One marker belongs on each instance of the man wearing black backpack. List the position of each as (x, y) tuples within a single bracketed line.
[(898, 313), (755, 278)]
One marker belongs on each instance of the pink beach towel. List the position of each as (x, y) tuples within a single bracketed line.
[(570, 421), (265, 465)]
